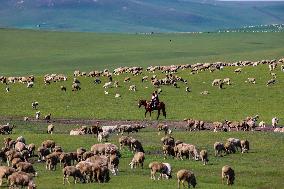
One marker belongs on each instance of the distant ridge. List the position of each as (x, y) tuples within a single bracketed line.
[(137, 15)]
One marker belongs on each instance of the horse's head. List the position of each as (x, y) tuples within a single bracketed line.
[(141, 102)]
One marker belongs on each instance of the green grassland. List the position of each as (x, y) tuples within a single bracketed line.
[(262, 167), (26, 52)]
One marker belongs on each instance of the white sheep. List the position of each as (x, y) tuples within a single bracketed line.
[(30, 84), (37, 115), (117, 95), (132, 88), (262, 124), (274, 121), (103, 135), (107, 85)]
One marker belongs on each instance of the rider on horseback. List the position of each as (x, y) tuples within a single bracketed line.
[(154, 100)]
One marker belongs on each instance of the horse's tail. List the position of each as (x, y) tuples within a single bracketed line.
[(163, 106)]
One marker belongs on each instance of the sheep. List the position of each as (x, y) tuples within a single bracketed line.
[(238, 70), (188, 176), (168, 151), (48, 144), (229, 174), (20, 146), (5, 172), (6, 129), (63, 88), (51, 161), (217, 125), (218, 147), (162, 168), (168, 140), (34, 104), (137, 159), (262, 124), (250, 80), (132, 88), (80, 151), (26, 167), (165, 128), (124, 141), (31, 149), (47, 117), (127, 79), (110, 129), (187, 89), (204, 156), (37, 115), (117, 95), (75, 87), (71, 171), (107, 85), (187, 150), (21, 179), (30, 84), (190, 124), (11, 154), (270, 82), (227, 81), (229, 148), (87, 154), (244, 146), (42, 153), (15, 161), (77, 132), (50, 129), (104, 135), (144, 78), (26, 118), (113, 163), (274, 121)]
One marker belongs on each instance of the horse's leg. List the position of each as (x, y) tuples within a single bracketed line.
[(158, 114), (146, 113), (164, 112)]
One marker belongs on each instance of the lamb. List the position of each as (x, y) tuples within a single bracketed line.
[(124, 141), (218, 147), (136, 145), (244, 146), (138, 158), (103, 135), (274, 121), (132, 88), (204, 156), (50, 129), (26, 167), (107, 85), (71, 171), (188, 176), (238, 70), (5, 172), (229, 174), (162, 168), (34, 104), (21, 179)]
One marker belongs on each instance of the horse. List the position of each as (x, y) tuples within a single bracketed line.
[(160, 106)]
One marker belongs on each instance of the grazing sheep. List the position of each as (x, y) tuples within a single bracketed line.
[(219, 147), (168, 140), (31, 149), (229, 148), (113, 163), (30, 84), (168, 151), (229, 174), (34, 104), (103, 135), (236, 142), (110, 129), (75, 87), (80, 151), (270, 82), (132, 88), (238, 70), (51, 161), (48, 144), (20, 146), (188, 176), (227, 81), (71, 171), (204, 156), (5, 172), (37, 115), (251, 80), (244, 146), (274, 121), (63, 88), (26, 167), (50, 129), (21, 179), (165, 128), (262, 124), (21, 139), (47, 117), (127, 79), (42, 153), (117, 95), (138, 158), (107, 85), (162, 168)]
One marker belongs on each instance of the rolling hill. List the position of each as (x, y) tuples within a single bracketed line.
[(137, 16)]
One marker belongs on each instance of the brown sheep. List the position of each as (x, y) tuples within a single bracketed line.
[(168, 151), (124, 141), (19, 146), (162, 168), (190, 124), (51, 161), (26, 167), (31, 149), (244, 146), (236, 142), (165, 128), (86, 169), (168, 140), (113, 163), (66, 159), (229, 148), (11, 154), (219, 147), (138, 158), (15, 161), (5, 172), (80, 152), (229, 174), (21, 179), (204, 156), (42, 153), (87, 154), (48, 144), (71, 171), (188, 176)]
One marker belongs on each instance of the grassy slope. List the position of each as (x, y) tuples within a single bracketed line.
[(262, 167), (29, 52)]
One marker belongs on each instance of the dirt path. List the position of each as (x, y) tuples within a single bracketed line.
[(151, 123)]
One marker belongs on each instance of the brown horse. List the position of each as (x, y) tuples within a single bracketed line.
[(148, 108)]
